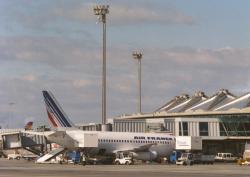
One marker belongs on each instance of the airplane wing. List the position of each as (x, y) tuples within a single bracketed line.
[(137, 149), (58, 134), (143, 148)]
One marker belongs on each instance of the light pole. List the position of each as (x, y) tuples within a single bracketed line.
[(101, 11), (11, 104), (138, 56)]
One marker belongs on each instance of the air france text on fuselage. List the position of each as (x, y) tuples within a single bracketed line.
[(151, 138)]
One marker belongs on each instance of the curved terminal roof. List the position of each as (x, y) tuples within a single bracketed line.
[(174, 102), (239, 103), (220, 98), (197, 98), (221, 103), (223, 100)]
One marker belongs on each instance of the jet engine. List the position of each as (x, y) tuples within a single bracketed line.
[(145, 156)]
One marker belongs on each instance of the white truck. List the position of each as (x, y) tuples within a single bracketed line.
[(14, 156), (185, 159), (207, 159), (122, 159), (225, 157), (190, 159)]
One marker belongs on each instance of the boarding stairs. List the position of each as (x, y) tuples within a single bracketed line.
[(50, 155)]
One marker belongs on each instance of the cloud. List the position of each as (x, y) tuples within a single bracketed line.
[(72, 18), (123, 14), (29, 78), (190, 57), (55, 52), (170, 15), (71, 69), (81, 83)]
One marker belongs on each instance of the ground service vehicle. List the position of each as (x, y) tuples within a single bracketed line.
[(207, 159), (225, 157), (77, 158), (122, 159), (185, 159), (174, 156), (14, 156), (30, 157), (190, 159)]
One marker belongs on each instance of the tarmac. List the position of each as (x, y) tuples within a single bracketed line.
[(23, 168)]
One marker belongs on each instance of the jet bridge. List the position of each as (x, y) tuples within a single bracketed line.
[(73, 139), (70, 140), (19, 140), (11, 140)]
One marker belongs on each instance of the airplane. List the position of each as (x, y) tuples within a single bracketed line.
[(29, 126), (143, 146)]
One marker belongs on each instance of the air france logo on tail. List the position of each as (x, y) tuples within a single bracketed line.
[(56, 115)]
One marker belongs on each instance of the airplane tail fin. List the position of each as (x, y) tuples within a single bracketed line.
[(29, 126), (56, 115)]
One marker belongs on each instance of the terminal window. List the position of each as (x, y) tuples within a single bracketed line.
[(183, 128), (235, 125), (203, 127)]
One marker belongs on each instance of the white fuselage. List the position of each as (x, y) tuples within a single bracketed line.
[(111, 142)]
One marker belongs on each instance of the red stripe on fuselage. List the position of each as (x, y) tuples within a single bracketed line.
[(51, 119)]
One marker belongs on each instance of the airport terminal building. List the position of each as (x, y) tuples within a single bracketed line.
[(222, 120)]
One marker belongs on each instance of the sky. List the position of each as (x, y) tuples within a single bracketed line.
[(188, 46)]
